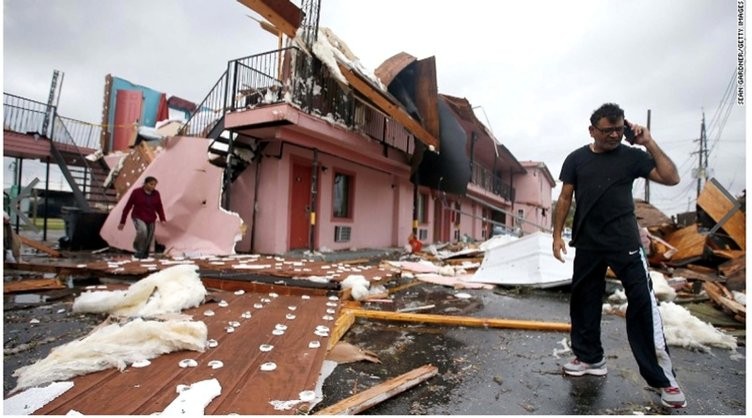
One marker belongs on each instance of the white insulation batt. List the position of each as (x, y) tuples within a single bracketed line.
[(683, 329), (168, 291), (113, 346), (162, 294)]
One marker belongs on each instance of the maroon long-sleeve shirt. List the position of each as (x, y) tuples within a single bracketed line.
[(145, 206)]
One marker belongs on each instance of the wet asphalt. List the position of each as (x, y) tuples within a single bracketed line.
[(518, 372)]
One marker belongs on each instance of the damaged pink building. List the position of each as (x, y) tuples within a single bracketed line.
[(311, 151)]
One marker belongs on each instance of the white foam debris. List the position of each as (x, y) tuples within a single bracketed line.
[(193, 400), (28, 401), (359, 285)]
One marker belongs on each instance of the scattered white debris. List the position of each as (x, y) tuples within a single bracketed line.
[(463, 295), (28, 401), (215, 364), (239, 292), (193, 401), (140, 364), (34, 321), (359, 285), (314, 344), (189, 362), (268, 366), (740, 297), (212, 343), (566, 350), (662, 290), (208, 312), (266, 347), (223, 304)]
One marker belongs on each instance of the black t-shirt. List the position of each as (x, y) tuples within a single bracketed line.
[(604, 217)]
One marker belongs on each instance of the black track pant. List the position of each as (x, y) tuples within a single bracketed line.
[(644, 326)]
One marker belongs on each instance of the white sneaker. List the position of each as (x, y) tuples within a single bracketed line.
[(579, 368)]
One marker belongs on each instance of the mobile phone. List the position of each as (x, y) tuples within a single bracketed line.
[(628, 133)]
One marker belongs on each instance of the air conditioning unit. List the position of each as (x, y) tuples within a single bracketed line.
[(342, 233), (422, 234)]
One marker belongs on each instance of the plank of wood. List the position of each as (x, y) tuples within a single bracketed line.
[(730, 267), (688, 241), (376, 394), (283, 14), (729, 254), (31, 285), (394, 111), (723, 208), (341, 325), (404, 286), (39, 246), (461, 320), (716, 293)]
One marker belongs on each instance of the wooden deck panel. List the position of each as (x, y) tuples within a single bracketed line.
[(245, 388)]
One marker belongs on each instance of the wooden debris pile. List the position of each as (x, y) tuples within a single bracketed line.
[(708, 249)]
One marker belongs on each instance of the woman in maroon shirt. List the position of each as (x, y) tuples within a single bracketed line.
[(146, 205)]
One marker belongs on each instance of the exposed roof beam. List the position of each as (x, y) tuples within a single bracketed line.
[(283, 14), (380, 99)]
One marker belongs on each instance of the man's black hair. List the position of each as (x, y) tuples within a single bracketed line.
[(149, 179), (611, 111)]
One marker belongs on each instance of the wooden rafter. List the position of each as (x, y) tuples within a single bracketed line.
[(388, 106), (284, 15)]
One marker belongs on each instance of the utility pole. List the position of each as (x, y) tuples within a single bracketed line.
[(647, 180), (702, 164)]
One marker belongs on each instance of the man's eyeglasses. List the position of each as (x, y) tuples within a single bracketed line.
[(608, 131)]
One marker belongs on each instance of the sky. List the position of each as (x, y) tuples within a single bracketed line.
[(535, 70)]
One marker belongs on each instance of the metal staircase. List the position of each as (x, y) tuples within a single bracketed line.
[(85, 178)]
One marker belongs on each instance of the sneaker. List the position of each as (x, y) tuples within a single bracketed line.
[(673, 397), (579, 368)]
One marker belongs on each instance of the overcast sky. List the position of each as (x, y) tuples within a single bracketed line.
[(537, 69)]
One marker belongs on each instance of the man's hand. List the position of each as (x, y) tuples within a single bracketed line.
[(642, 134), (121, 226), (558, 247)]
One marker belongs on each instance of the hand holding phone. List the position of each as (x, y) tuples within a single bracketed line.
[(628, 133)]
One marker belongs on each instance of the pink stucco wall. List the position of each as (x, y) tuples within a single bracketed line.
[(382, 204), (533, 197)]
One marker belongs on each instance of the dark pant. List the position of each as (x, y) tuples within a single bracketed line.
[(644, 325)]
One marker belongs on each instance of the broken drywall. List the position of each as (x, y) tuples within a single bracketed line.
[(190, 188)]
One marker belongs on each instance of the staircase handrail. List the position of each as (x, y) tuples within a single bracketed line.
[(202, 120), (66, 138)]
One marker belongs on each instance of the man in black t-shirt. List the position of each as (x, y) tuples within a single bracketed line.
[(605, 234)]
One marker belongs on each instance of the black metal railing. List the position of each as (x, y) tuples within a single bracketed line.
[(487, 180), (209, 112), (291, 75), (28, 116), (23, 115)]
